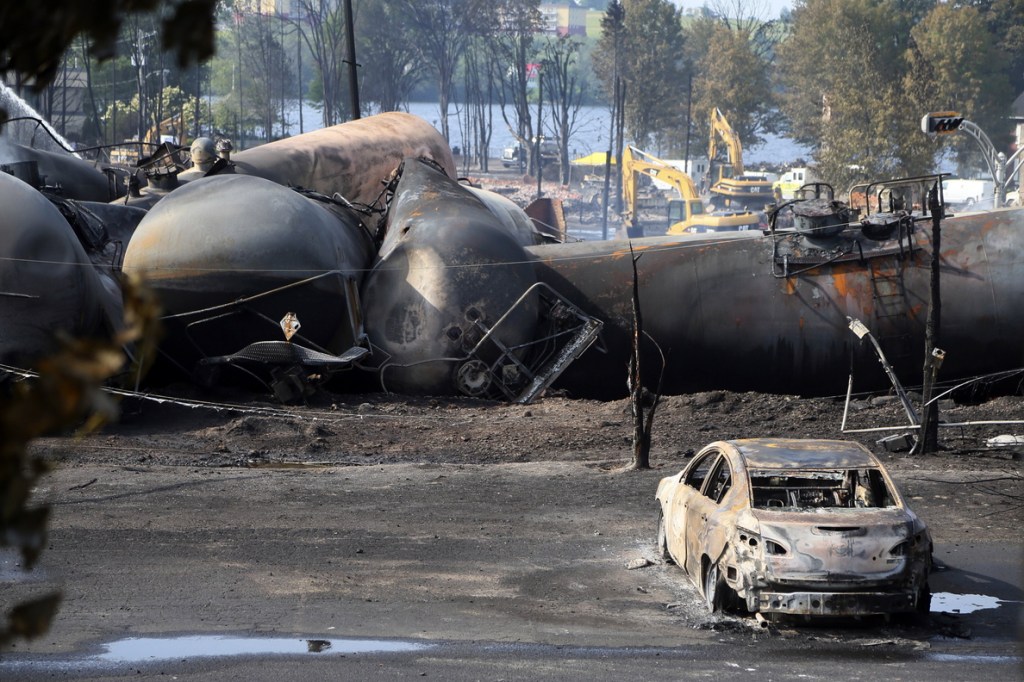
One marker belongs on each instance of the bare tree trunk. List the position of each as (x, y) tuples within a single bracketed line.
[(928, 437), (97, 119), (643, 415)]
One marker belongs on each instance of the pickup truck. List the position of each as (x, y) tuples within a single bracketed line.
[(514, 156), (968, 194)]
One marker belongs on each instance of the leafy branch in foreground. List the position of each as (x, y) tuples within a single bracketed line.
[(67, 393)]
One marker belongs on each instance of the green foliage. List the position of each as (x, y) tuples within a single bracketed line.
[(734, 78), (1005, 20), (66, 393), (264, 68), (843, 69), (859, 100), (956, 65), (648, 55), (121, 118), (324, 34), (386, 48), (34, 36)]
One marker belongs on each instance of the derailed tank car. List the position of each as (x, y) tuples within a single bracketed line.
[(453, 304), (769, 312), (48, 285), (231, 257), (59, 173), (351, 158)]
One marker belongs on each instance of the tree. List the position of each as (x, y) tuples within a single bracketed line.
[(34, 36), (323, 31), (390, 65), (852, 104), (642, 404), (264, 67), (515, 24), (1005, 19), (565, 86), (443, 29), (480, 66), (733, 56), (608, 65), (956, 65), (648, 55)]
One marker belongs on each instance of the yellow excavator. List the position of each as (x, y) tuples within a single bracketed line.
[(729, 185), (686, 214)]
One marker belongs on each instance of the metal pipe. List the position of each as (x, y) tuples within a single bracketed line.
[(846, 407), (980, 422)]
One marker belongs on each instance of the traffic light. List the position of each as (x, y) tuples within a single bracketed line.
[(941, 123)]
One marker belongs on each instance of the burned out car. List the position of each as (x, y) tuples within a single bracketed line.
[(795, 527)]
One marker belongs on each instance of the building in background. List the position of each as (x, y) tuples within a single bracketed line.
[(565, 19)]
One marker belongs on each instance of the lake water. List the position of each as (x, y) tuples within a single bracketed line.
[(591, 134)]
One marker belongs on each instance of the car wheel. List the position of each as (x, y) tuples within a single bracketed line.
[(663, 552), (713, 588)]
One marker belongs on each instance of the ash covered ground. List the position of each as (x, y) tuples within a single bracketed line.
[(459, 520), (380, 429)]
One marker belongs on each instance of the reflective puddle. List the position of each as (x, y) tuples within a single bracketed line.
[(143, 649), (947, 602)]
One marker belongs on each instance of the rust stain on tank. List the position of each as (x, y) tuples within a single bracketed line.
[(839, 281)]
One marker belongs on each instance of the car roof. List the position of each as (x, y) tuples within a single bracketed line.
[(792, 453)]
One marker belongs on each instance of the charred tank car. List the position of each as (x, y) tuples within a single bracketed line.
[(453, 304), (251, 273), (48, 286)]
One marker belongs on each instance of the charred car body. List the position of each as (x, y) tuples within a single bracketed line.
[(795, 527)]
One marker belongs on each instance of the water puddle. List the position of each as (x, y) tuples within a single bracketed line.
[(972, 658), (144, 649), (947, 602)]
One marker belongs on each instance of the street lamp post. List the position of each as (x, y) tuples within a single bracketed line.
[(1001, 168)]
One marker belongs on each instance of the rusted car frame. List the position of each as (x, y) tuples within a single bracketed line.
[(796, 527)]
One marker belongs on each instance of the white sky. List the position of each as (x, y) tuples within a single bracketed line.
[(769, 8)]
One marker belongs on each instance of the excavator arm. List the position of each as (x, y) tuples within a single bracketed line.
[(730, 186), (721, 128), (636, 162)]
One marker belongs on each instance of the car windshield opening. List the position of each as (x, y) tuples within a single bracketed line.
[(838, 488)]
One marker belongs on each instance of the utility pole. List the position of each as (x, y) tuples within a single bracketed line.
[(298, 70), (241, 110), (689, 102), (350, 59), (615, 16), (540, 113)]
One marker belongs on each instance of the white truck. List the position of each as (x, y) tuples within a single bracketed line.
[(792, 180), (968, 194)]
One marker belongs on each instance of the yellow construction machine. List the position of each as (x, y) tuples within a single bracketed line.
[(686, 214), (730, 186), (171, 129)]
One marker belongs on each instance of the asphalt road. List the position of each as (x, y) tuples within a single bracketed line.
[(462, 572)]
